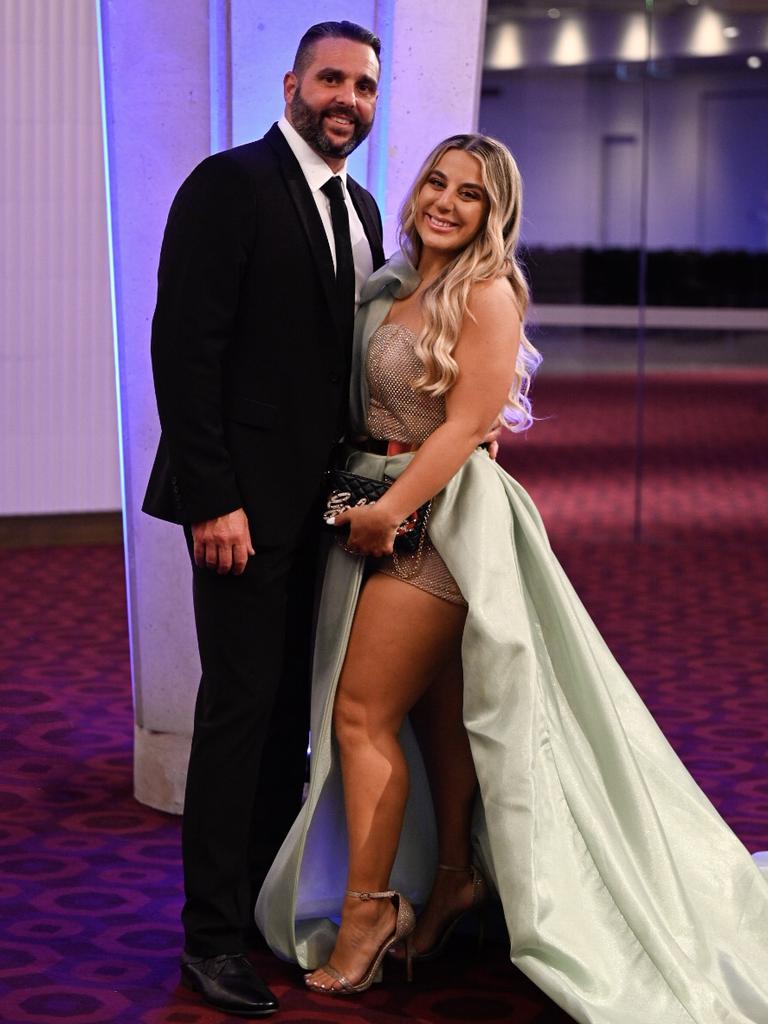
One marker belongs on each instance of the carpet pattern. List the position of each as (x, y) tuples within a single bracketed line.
[(90, 881)]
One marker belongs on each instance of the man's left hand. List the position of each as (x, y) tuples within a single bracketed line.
[(491, 439)]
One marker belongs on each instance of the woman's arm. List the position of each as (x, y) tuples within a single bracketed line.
[(486, 352)]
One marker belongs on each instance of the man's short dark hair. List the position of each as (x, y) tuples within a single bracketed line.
[(332, 30)]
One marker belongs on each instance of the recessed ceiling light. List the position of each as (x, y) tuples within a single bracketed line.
[(693, 3), (731, 32), (553, 12), (754, 62)]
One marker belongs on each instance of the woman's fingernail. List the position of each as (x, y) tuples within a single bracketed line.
[(331, 520)]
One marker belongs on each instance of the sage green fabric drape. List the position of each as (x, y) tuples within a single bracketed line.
[(627, 899)]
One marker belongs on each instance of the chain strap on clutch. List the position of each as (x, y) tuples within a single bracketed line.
[(409, 572)]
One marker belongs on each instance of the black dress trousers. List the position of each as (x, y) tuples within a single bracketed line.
[(247, 764)]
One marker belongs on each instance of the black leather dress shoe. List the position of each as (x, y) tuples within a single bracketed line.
[(230, 983)]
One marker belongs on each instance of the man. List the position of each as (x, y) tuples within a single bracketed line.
[(251, 343)]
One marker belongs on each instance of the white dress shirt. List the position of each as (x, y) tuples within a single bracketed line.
[(317, 172)]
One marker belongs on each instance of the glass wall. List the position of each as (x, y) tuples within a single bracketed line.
[(641, 130)]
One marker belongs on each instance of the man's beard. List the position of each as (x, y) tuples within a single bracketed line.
[(309, 124)]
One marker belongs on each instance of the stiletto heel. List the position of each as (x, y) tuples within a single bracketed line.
[(408, 959), (404, 925), (479, 899)]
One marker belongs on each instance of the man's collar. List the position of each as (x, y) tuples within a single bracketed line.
[(315, 169)]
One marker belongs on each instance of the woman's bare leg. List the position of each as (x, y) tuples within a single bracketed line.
[(400, 642), (439, 725)]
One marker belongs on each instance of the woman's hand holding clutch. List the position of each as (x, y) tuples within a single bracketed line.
[(371, 529)]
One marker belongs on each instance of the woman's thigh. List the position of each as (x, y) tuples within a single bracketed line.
[(401, 640)]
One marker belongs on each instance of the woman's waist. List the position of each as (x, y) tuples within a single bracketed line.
[(384, 446)]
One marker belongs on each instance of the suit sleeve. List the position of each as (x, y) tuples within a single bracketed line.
[(203, 259)]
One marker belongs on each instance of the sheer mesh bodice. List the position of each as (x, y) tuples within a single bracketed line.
[(398, 413)]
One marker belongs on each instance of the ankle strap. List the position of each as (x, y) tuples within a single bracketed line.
[(371, 895), (450, 867)]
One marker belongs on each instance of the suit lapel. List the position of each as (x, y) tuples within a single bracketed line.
[(369, 222), (308, 216)]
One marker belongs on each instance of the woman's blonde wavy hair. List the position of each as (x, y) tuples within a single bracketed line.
[(489, 255)]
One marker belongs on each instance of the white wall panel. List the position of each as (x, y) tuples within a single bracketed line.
[(58, 424)]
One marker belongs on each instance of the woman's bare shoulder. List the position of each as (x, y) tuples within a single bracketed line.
[(493, 300)]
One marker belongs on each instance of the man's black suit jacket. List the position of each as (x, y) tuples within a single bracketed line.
[(250, 360)]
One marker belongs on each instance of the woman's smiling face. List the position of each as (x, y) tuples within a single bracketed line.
[(452, 203)]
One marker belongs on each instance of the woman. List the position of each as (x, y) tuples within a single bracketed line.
[(626, 897)]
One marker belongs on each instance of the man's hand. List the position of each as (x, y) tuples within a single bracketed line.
[(491, 439), (223, 543)]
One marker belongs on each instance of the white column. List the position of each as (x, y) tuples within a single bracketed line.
[(431, 75), (181, 78), (158, 124)]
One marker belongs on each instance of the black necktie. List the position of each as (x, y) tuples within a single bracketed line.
[(345, 265)]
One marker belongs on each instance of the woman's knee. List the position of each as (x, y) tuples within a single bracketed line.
[(349, 720), (357, 723)]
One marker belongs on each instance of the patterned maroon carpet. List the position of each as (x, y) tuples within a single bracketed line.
[(90, 880)]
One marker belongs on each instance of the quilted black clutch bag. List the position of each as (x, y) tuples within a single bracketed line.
[(348, 490)]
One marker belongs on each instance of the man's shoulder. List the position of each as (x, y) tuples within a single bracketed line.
[(246, 160), (230, 177)]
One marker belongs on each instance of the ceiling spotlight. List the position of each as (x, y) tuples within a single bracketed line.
[(693, 3), (731, 32), (754, 63), (553, 12)]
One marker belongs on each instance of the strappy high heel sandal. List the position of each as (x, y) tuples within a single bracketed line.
[(404, 925), (480, 895)]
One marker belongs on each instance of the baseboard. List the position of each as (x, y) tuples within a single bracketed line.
[(65, 528)]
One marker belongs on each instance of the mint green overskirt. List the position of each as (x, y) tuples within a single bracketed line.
[(627, 898)]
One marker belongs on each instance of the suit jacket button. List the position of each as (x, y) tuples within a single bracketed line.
[(334, 378)]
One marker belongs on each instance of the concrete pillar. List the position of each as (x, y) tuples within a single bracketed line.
[(433, 63), (157, 120), (181, 79)]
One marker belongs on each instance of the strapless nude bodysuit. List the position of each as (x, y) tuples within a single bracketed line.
[(398, 413)]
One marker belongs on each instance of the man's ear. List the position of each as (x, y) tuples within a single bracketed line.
[(290, 84)]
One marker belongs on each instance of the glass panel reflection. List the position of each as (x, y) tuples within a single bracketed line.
[(641, 131), (705, 479), (564, 89)]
